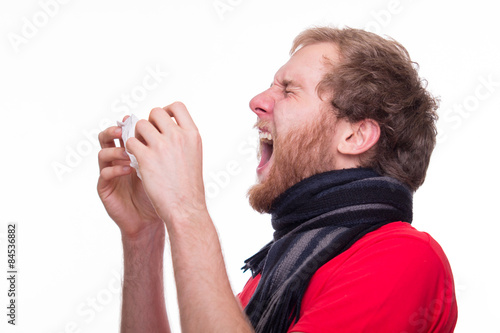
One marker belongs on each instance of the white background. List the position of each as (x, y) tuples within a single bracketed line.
[(66, 75)]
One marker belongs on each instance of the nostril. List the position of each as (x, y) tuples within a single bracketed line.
[(262, 104)]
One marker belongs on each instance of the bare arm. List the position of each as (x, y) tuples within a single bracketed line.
[(143, 302), (170, 159), (143, 236), (206, 300)]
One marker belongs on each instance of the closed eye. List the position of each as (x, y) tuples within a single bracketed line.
[(289, 87)]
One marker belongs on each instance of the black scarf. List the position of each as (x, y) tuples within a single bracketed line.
[(314, 221)]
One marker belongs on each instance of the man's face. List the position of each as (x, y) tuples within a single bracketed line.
[(296, 127)]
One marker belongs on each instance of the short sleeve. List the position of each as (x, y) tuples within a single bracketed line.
[(392, 280)]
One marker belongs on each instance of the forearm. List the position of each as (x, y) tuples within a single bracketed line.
[(143, 304), (206, 300)]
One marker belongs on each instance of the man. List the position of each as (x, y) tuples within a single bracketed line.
[(346, 132)]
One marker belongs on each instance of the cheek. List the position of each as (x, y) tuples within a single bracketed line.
[(289, 121), (303, 111)]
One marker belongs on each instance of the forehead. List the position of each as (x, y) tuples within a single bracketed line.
[(307, 66)]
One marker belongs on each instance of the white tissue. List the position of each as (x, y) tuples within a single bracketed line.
[(128, 131)]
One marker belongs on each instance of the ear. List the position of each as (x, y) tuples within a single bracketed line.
[(357, 138)]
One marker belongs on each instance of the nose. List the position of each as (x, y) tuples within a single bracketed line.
[(262, 104)]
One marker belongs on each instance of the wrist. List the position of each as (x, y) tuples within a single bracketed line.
[(187, 220), (143, 254), (153, 233)]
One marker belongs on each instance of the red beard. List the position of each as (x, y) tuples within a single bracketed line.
[(299, 154)]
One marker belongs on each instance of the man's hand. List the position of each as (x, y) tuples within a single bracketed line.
[(169, 152), (143, 235), (121, 191)]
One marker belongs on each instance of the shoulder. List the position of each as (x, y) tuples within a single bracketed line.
[(395, 247), (393, 270)]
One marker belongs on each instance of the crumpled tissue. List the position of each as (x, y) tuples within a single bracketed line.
[(128, 131)]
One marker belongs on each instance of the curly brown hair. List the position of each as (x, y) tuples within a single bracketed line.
[(377, 80)]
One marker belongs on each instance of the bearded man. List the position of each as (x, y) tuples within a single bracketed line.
[(347, 130)]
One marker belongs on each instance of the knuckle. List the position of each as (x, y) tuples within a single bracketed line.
[(174, 139), (161, 145), (101, 155), (100, 136), (155, 112), (195, 134), (141, 124)]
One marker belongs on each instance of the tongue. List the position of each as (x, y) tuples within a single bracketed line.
[(266, 152)]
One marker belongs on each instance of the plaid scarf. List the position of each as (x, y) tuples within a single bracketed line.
[(314, 221)]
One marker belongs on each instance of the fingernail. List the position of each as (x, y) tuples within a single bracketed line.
[(126, 168), (118, 130)]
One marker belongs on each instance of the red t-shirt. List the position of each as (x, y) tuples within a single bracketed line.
[(393, 279)]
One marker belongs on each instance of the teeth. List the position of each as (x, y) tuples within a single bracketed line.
[(265, 135)]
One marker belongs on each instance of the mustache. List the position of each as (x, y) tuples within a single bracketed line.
[(267, 125), (262, 124)]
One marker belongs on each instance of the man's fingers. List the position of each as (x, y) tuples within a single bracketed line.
[(145, 132), (112, 156), (135, 147), (114, 171), (121, 140), (160, 119), (108, 136), (181, 115)]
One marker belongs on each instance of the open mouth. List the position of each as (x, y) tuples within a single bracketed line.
[(266, 148)]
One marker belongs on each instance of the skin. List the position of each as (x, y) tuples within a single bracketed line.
[(292, 99), (171, 198)]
